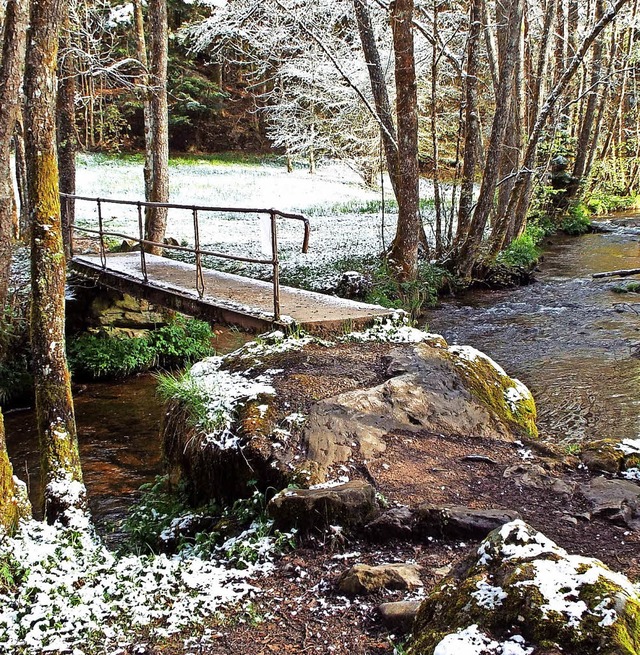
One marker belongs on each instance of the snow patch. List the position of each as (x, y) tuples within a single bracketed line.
[(72, 591), (471, 641), (488, 596)]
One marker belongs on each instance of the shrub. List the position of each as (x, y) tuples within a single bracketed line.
[(577, 220), (524, 250), (96, 356)]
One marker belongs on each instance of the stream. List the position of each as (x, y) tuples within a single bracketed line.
[(570, 338), (118, 427)]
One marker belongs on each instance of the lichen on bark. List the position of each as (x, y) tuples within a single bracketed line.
[(54, 403), (14, 502)]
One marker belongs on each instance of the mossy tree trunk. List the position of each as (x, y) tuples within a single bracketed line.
[(67, 134), (11, 72), (62, 475), (14, 503)]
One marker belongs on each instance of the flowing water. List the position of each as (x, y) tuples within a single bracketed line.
[(571, 339)]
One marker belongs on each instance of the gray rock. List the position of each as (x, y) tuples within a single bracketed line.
[(399, 616), (459, 522), (432, 389), (349, 505), (394, 523), (363, 579), (616, 500), (537, 477)]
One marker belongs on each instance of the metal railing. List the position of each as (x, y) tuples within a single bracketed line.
[(273, 214)]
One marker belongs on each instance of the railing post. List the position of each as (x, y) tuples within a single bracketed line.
[(196, 239), (143, 261), (276, 266), (103, 254), (71, 213)]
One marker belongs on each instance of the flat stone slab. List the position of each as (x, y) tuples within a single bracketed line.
[(232, 294)]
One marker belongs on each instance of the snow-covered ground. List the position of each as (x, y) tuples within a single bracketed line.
[(344, 213)]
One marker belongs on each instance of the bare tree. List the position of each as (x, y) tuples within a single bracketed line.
[(156, 218), (404, 250)]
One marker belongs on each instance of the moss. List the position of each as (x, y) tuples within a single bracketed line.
[(606, 455), (607, 621), (14, 503), (492, 387)]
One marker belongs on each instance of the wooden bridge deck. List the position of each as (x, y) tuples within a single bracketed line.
[(227, 298)]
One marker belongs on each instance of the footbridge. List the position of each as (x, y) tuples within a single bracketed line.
[(177, 278)]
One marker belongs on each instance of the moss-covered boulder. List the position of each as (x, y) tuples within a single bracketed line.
[(520, 593), (300, 411), (611, 455)]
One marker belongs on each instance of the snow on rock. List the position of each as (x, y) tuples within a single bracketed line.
[(221, 392), (471, 641), (629, 446), (522, 588), (395, 329), (69, 590)]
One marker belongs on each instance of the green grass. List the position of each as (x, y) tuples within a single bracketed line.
[(217, 159), (523, 251)]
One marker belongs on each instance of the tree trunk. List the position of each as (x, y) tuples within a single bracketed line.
[(521, 193), (466, 258), (584, 139), (434, 134), (11, 72), (471, 124), (14, 501), (64, 492), (378, 89), (404, 251), (67, 136), (21, 179), (156, 219)]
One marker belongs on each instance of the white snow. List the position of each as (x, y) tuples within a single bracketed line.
[(631, 474), (488, 596), (470, 354), (629, 446), (558, 576), (222, 392), (332, 198), (395, 329), (472, 641), (72, 591)]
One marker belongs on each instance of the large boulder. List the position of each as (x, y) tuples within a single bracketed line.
[(520, 593), (300, 411)]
